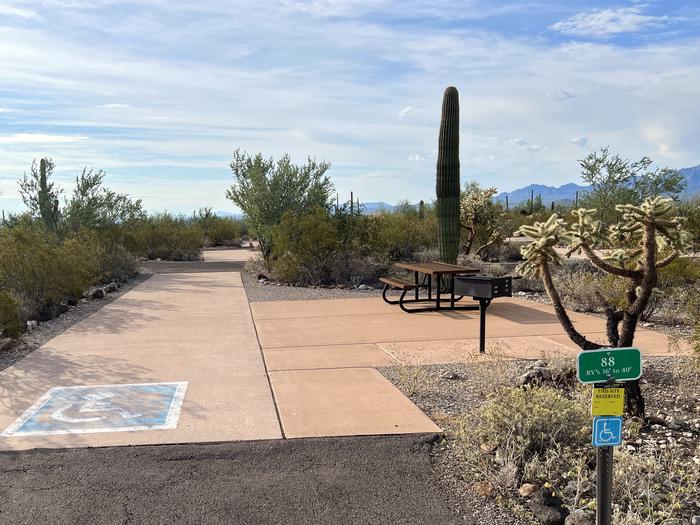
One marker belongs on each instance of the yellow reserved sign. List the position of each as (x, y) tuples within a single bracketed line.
[(608, 402)]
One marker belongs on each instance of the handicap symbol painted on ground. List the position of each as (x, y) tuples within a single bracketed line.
[(97, 402), (102, 408), (607, 431)]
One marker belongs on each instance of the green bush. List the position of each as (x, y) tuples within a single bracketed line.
[(117, 264), (222, 232), (305, 249), (10, 322), (400, 236), (530, 421), (40, 270), (163, 236)]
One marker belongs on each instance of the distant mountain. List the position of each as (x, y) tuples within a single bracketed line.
[(374, 207), (567, 193), (692, 176), (221, 213)]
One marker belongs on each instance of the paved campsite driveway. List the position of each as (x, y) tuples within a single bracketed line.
[(177, 339)]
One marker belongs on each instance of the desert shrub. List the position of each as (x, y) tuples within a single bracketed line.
[(40, 270), (164, 236), (532, 420), (305, 249), (222, 232), (586, 291), (117, 264), (218, 231), (400, 236), (10, 322)]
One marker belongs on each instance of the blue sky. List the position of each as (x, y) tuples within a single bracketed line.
[(159, 92)]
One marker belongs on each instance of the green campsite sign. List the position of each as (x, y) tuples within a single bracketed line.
[(617, 364)]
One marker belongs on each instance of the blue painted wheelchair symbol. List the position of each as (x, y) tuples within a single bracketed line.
[(607, 431), (102, 408)]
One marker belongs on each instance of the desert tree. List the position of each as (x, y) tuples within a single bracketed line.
[(480, 215), (614, 180), (266, 190), (648, 238)]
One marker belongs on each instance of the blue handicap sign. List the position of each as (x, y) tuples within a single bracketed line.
[(607, 431), (102, 408)]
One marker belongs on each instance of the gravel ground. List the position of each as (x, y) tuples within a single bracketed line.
[(272, 291), (26, 344), (444, 392)]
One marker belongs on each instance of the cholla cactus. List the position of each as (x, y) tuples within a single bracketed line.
[(476, 207), (648, 238)]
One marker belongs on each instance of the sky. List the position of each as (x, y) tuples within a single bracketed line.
[(158, 93)]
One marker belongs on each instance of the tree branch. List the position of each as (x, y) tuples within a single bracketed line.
[(559, 309), (607, 267)]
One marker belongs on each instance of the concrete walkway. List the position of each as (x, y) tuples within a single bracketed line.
[(190, 335), (177, 360)]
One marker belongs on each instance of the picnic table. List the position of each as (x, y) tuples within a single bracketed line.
[(428, 270)]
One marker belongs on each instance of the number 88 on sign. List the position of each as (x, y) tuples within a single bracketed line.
[(600, 366)]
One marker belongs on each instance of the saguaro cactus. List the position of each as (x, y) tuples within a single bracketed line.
[(447, 184), (46, 196)]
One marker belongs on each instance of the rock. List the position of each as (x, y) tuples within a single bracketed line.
[(483, 488), (547, 507), (534, 377), (364, 287), (96, 293), (110, 288), (675, 424), (527, 489), (695, 520), (72, 302), (654, 420), (545, 373), (580, 517), (451, 375), (488, 448), (31, 326), (509, 475)]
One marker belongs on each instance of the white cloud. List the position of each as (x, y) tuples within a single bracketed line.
[(416, 157), (39, 138), (607, 22), (581, 142), (19, 12), (561, 95), (405, 112)]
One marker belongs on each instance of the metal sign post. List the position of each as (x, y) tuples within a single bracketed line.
[(603, 368), (604, 481)]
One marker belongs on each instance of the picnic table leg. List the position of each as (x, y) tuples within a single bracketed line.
[(437, 292), (430, 287), (415, 279), (452, 291)]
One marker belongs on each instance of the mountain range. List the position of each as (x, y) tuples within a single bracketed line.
[(566, 194)]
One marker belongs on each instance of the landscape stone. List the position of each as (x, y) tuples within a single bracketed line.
[(580, 517), (527, 489), (547, 507)]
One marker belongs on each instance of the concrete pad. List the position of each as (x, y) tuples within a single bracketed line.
[(467, 350), (333, 356), (192, 328), (344, 402), (229, 255), (524, 328)]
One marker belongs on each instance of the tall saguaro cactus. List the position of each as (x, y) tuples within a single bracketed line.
[(48, 203), (447, 184)]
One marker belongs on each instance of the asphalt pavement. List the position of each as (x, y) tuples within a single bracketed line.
[(377, 480)]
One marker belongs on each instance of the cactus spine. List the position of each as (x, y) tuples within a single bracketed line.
[(447, 186)]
